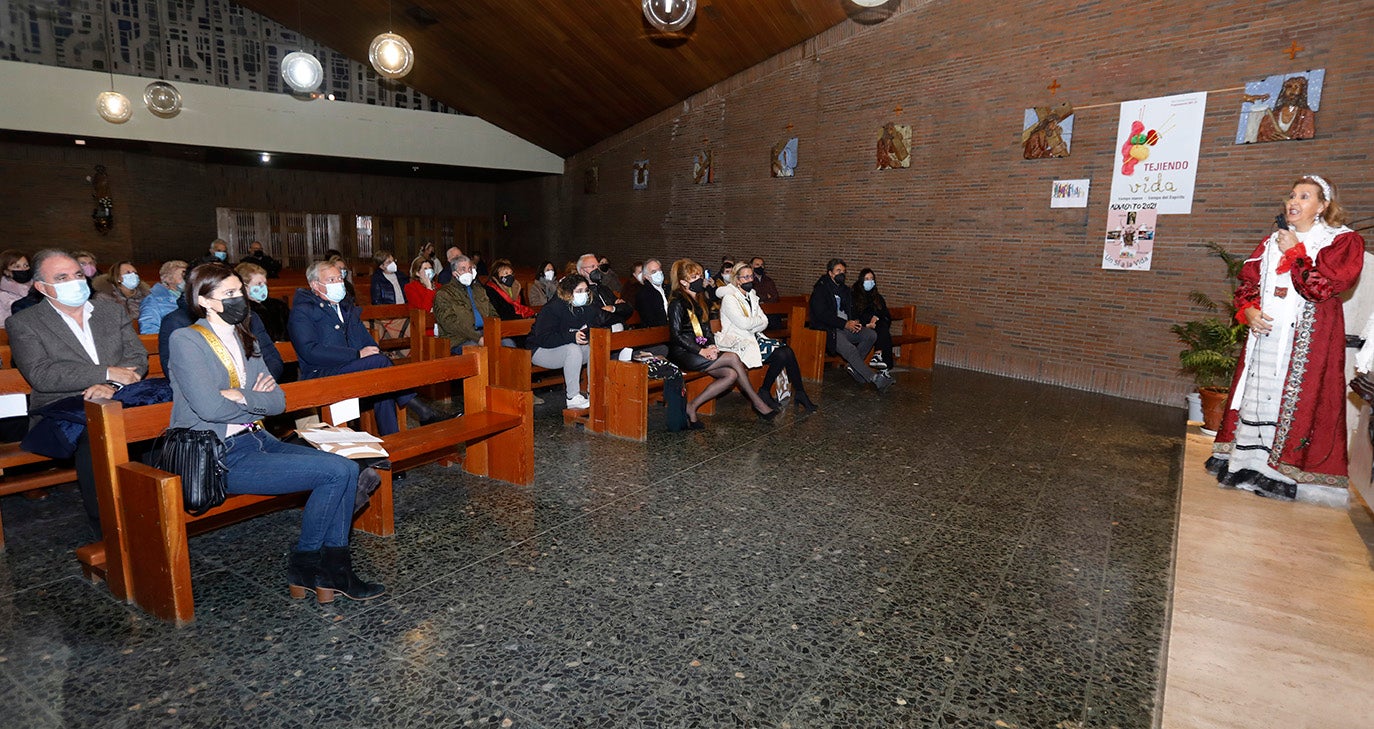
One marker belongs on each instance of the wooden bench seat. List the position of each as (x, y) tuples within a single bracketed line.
[(917, 342), (621, 392), (143, 557), (13, 457)]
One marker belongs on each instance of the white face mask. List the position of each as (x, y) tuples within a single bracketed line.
[(428, 273), (466, 279), (725, 276), (129, 280), (391, 267), (548, 275), (580, 298), (335, 292), (74, 292), (656, 278)]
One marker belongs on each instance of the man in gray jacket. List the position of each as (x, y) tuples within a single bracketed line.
[(71, 345)]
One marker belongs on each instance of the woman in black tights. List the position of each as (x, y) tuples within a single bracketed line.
[(692, 346), (742, 321)]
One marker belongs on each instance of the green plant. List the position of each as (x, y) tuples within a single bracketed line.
[(1212, 345)]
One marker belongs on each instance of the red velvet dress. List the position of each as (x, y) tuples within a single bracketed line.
[(1308, 436)]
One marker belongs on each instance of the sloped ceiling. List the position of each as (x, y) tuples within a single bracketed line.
[(563, 74)]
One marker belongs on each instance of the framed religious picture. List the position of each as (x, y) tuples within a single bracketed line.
[(1281, 108), (894, 146), (641, 170), (702, 174), (783, 158), (1046, 131)]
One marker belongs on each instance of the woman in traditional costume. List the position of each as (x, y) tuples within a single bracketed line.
[(1285, 422)]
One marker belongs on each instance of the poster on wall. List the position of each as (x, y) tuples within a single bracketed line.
[(1069, 194), (1158, 142), (702, 174), (894, 146), (1130, 237), (1280, 108), (641, 170), (1046, 131), (783, 158)]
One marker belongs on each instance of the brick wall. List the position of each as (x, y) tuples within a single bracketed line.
[(966, 233)]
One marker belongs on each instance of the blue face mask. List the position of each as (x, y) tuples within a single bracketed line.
[(129, 280), (656, 278), (258, 293), (72, 293), (335, 292), (869, 284), (221, 255), (580, 298)]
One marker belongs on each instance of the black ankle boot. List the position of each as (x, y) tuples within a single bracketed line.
[(337, 578), (766, 395), (302, 572), (804, 401), (425, 412)]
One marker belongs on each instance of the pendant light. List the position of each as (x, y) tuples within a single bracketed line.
[(161, 98), (299, 69), (111, 105), (390, 54), (670, 16)]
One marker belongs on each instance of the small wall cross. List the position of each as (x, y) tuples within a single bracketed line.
[(1054, 87), (1293, 49)]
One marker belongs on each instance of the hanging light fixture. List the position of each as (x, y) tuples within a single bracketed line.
[(390, 54), (670, 16), (162, 99), (299, 69), (111, 105)]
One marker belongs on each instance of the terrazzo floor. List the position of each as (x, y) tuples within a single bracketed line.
[(964, 551)]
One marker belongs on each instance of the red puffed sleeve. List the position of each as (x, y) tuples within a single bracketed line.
[(1247, 287), (1335, 269)]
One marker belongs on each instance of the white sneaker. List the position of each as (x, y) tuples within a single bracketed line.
[(579, 402), (877, 362)]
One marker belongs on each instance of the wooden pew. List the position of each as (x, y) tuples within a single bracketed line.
[(374, 318), (11, 456), (514, 367), (144, 557), (620, 392), (916, 340)]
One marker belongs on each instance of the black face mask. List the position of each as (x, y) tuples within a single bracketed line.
[(697, 286), (507, 281), (257, 254), (604, 268), (22, 277), (839, 280), (758, 272), (235, 310), (747, 286), (595, 275)]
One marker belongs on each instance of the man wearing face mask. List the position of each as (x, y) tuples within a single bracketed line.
[(257, 255), (462, 307), (182, 317), (218, 253), (450, 255), (616, 308), (71, 345), (330, 339), (651, 301), (830, 308), (162, 299), (609, 278), (764, 285)]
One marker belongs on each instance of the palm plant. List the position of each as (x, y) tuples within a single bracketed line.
[(1212, 345)]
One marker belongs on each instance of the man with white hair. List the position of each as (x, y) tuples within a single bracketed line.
[(616, 308)]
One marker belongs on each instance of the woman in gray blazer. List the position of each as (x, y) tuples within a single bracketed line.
[(205, 398)]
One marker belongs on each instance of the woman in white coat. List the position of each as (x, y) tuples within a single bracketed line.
[(741, 322)]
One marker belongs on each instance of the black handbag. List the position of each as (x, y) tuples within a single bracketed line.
[(197, 456)]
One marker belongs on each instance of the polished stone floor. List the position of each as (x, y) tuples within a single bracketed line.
[(964, 551)]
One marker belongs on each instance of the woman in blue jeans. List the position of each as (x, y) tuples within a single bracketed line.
[(220, 384)]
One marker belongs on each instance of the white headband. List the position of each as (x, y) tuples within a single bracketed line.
[(1323, 184)]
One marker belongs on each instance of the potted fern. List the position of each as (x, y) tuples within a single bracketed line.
[(1212, 345)]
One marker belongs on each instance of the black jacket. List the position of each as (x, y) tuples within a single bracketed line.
[(269, 264), (604, 296), (682, 338), (382, 291), (649, 302), (822, 305), (558, 322), (868, 304)]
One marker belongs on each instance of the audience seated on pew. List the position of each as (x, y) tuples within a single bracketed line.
[(388, 284), (74, 346), (451, 254), (258, 255), (123, 286), (217, 253), (630, 288), (741, 322), (691, 344), (16, 281), (184, 316), (831, 309), (871, 310), (764, 286), (226, 389), (609, 278), (560, 335), (462, 307), (503, 291), (726, 271), (544, 288), (330, 339), (617, 310), (271, 311), (651, 301), (90, 267), (420, 290), (162, 300)]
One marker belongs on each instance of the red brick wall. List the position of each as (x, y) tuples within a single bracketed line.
[(966, 233)]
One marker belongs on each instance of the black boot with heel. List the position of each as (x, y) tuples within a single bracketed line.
[(337, 578)]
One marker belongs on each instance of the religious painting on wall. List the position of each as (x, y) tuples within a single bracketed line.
[(1047, 131), (894, 146), (1280, 108), (1069, 194), (702, 174), (1130, 237), (1158, 141), (783, 158), (641, 170), (592, 180)]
